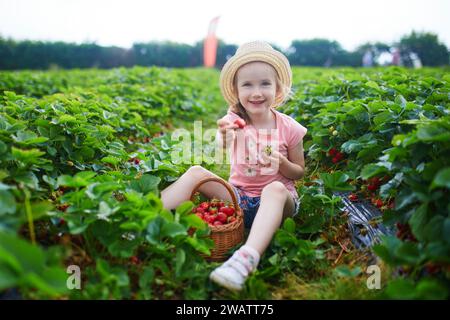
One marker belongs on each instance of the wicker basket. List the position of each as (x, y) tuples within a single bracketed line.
[(228, 235)]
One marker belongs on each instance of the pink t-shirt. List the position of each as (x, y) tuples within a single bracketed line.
[(246, 172)]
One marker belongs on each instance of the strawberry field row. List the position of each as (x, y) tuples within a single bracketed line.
[(84, 155)]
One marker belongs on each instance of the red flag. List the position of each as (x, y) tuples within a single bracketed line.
[(210, 45)]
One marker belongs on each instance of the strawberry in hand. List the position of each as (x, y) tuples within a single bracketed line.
[(240, 123)]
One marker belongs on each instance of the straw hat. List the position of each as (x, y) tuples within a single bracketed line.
[(251, 52)]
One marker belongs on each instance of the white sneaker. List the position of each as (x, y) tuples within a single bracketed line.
[(233, 273)]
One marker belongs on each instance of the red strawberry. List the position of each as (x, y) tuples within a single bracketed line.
[(335, 160), (136, 161), (240, 123), (204, 205), (375, 181), (231, 219), (200, 210), (62, 190), (401, 226), (379, 203), (332, 152), (339, 156), (212, 210), (229, 211), (134, 260), (217, 223), (222, 217), (432, 268), (372, 187), (63, 207), (353, 197)]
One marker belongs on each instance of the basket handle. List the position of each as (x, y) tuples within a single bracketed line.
[(222, 182)]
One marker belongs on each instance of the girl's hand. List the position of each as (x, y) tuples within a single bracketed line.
[(274, 160), (227, 129), (227, 132)]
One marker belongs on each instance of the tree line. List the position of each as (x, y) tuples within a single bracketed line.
[(315, 52)]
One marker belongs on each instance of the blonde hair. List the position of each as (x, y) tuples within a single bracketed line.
[(283, 90)]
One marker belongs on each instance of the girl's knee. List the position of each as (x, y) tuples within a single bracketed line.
[(275, 188), (198, 172)]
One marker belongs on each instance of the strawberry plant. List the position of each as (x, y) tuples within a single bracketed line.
[(84, 155), (393, 131)]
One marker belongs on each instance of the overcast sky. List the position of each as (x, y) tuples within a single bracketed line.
[(121, 23)]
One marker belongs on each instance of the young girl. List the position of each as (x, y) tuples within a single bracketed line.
[(266, 155)]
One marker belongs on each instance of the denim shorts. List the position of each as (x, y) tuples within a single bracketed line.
[(250, 206)]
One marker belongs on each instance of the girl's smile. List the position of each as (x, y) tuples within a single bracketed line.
[(256, 103)]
